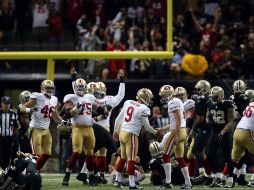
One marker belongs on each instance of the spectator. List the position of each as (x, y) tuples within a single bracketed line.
[(55, 28), (75, 8), (8, 22), (40, 16), (56, 4), (194, 63), (24, 19)]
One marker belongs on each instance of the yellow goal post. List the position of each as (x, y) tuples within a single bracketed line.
[(51, 56)]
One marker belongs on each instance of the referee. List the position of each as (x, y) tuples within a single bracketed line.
[(8, 126)]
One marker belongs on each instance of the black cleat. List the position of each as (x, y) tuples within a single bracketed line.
[(117, 184), (186, 186), (66, 179), (208, 182), (167, 186), (242, 181), (82, 177), (104, 180), (92, 180)]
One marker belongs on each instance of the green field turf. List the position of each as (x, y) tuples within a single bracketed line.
[(51, 182)]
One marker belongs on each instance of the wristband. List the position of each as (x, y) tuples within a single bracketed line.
[(75, 109), (28, 110)]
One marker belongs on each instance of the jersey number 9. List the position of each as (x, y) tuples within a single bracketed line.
[(129, 114)]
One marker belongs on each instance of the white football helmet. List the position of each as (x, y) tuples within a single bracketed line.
[(48, 87), (145, 95), (79, 87)]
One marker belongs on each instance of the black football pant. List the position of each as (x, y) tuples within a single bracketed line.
[(5, 151), (213, 145), (199, 145)]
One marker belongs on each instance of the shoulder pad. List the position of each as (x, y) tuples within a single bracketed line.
[(69, 97), (36, 95)]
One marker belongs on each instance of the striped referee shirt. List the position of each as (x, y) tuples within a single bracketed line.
[(8, 121)]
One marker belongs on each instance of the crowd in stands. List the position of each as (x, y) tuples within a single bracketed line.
[(212, 38)]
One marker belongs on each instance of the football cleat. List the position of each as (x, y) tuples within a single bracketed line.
[(215, 183), (117, 184), (92, 181), (66, 179), (242, 181), (82, 177), (208, 182), (136, 187), (229, 184), (186, 186), (251, 183), (167, 186)]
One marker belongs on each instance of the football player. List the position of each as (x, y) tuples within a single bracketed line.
[(189, 115), (175, 137), (43, 107), (24, 120), (78, 107), (138, 176), (241, 102), (200, 131), (220, 117), (133, 116), (243, 138), (112, 102)]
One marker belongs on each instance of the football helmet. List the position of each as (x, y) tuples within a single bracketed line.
[(155, 149), (24, 96), (202, 87), (91, 86), (166, 93), (48, 87), (250, 94), (79, 87), (181, 93), (100, 90), (239, 86), (217, 94), (145, 95)]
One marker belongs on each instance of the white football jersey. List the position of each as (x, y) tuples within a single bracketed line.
[(125, 180), (84, 116), (45, 106), (113, 101), (247, 121), (173, 105), (132, 116)]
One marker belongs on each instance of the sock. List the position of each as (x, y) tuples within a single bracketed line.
[(131, 181), (166, 158), (90, 165), (236, 171), (68, 170), (84, 168), (225, 170), (181, 162), (192, 167), (118, 176), (222, 176), (252, 177), (131, 167), (72, 160), (102, 164), (201, 171), (167, 169), (230, 179), (186, 175), (243, 170), (41, 161), (120, 165)]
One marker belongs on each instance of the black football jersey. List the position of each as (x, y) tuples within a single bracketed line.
[(217, 114), (241, 102), (201, 105), (23, 128)]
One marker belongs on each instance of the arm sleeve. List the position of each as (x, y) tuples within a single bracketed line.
[(120, 95), (147, 126), (118, 121)]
